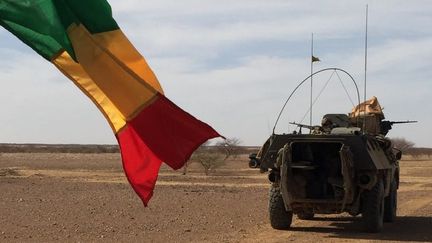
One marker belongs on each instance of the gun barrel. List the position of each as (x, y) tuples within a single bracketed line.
[(401, 122), (302, 125)]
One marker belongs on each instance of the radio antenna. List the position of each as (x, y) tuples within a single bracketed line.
[(311, 83), (365, 70)]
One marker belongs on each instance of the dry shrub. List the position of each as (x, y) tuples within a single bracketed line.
[(9, 172), (58, 148), (420, 153), (212, 157), (230, 146), (402, 144), (407, 148)]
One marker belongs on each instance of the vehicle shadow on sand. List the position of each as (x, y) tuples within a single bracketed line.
[(405, 228)]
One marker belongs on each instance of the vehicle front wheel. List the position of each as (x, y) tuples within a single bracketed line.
[(373, 208), (279, 217), (253, 163)]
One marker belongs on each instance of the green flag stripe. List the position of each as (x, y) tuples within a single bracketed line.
[(36, 23), (45, 45), (42, 24), (95, 15)]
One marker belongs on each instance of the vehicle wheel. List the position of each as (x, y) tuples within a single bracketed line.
[(390, 203), (253, 163), (305, 215), (279, 217), (373, 208)]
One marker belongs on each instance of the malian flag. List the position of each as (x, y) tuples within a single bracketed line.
[(81, 38)]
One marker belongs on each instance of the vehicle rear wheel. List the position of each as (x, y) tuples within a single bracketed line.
[(390, 203), (305, 215), (373, 208), (279, 217)]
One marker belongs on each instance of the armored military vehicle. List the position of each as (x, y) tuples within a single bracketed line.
[(346, 164)]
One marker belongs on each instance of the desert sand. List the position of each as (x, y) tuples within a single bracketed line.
[(47, 197)]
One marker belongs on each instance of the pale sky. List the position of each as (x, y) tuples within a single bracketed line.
[(232, 64)]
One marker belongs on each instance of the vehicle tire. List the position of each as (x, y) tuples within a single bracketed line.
[(305, 215), (373, 208), (253, 163), (279, 217), (390, 203)]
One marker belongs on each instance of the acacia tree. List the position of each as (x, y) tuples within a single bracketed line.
[(194, 157), (186, 166), (231, 146), (402, 144), (211, 157)]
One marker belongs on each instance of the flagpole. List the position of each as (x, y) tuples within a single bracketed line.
[(311, 84)]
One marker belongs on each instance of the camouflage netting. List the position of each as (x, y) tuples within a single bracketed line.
[(369, 107)]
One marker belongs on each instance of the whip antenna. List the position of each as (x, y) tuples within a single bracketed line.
[(365, 70), (311, 83)]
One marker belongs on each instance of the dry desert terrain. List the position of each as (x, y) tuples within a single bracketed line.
[(72, 197)]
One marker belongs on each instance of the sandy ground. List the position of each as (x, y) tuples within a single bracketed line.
[(85, 197)]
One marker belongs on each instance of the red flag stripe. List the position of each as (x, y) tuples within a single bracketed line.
[(160, 132)]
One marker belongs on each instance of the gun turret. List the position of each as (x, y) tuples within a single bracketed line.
[(314, 129), (386, 126)]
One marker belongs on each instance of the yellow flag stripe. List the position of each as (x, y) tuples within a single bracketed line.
[(121, 85), (119, 45), (111, 72), (78, 75)]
